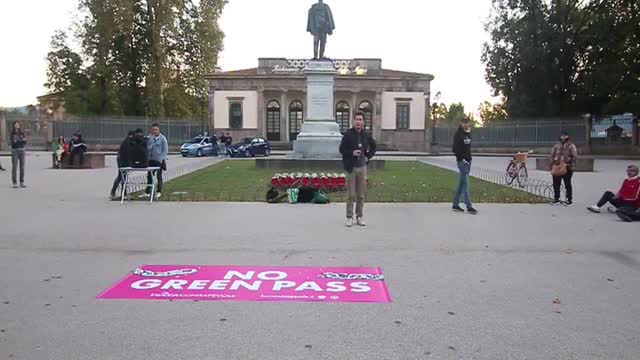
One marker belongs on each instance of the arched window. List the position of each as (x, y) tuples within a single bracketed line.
[(295, 119), (273, 121), (367, 109), (343, 116)]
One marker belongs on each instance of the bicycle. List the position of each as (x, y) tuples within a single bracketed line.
[(517, 169)]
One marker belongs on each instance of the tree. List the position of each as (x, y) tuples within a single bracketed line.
[(439, 112), (65, 74), (456, 113), (564, 57), (611, 62), (490, 113), (146, 56), (531, 58)]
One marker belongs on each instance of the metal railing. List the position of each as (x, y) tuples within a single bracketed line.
[(517, 134), (538, 187), (109, 131), (35, 129)]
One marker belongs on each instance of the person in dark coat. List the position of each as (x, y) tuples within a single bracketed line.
[(77, 148), (123, 161), (462, 152), (357, 148), (18, 154)]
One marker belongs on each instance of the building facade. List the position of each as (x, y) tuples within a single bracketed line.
[(271, 101)]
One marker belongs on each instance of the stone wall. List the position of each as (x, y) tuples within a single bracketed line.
[(403, 140)]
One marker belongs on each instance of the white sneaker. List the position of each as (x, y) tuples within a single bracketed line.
[(145, 195), (361, 222), (593, 209), (158, 196), (612, 210), (349, 222)]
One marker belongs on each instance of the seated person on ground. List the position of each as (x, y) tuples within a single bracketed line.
[(627, 196)]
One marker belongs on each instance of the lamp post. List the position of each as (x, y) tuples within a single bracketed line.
[(49, 129)]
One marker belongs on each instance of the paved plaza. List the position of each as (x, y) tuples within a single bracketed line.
[(515, 282)]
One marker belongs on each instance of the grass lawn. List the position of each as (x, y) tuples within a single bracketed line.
[(400, 181)]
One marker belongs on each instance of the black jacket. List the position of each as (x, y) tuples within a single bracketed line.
[(462, 145), (349, 143), (137, 153), (17, 140), (123, 152), (77, 145)]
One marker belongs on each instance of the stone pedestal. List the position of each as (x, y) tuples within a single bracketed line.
[(320, 135)]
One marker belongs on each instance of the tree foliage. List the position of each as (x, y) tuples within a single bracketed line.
[(138, 57), (491, 113), (564, 57), (455, 113)]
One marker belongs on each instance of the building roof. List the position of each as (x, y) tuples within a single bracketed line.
[(254, 72), (243, 72)]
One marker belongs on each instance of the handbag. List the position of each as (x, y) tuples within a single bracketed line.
[(559, 169)]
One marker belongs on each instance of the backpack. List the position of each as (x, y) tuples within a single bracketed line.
[(321, 197), (306, 195)]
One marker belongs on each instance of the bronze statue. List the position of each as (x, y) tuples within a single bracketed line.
[(320, 24)]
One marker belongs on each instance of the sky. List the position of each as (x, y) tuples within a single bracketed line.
[(442, 38)]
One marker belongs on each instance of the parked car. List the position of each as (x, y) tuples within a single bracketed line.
[(199, 146), (250, 147)]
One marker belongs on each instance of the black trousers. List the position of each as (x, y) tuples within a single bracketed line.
[(119, 180), (158, 175), (73, 155), (557, 182), (610, 198)]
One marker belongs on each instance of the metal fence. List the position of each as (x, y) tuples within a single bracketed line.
[(109, 131), (35, 129), (517, 134), (101, 131)]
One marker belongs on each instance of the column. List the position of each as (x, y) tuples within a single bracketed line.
[(211, 112), (377, 117), (49, 135), (428, 123), (262, 122), (284, 115)]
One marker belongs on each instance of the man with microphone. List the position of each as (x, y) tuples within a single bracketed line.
[(357, 148)]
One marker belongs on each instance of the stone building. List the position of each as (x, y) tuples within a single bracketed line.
[(270, 101)]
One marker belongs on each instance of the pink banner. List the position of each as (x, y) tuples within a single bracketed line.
[(252, 283)]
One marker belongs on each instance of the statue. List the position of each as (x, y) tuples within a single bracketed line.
[(320, 24)]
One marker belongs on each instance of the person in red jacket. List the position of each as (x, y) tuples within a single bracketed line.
[(627, 197)]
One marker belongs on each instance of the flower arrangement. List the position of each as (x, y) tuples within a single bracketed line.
[(329, 182)]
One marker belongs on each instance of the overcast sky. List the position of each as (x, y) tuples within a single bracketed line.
[(443, 38)]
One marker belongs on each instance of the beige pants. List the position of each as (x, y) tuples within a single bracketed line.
[(357, 188)]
